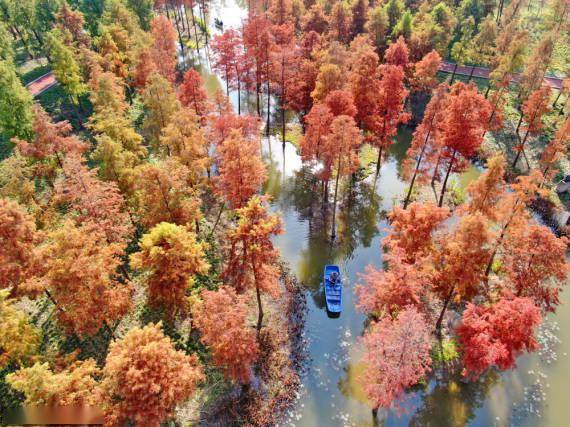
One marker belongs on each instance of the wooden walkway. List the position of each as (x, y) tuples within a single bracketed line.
[(483, 73), (41, 84)]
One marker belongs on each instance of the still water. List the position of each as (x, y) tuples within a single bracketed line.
[(536, 393)]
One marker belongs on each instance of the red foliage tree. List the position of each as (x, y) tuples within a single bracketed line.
[(363, 81), (496, 335), (342, 145), (425, 148), (51, 140), (396, 356), (313, 142), (341, 102), (388, 291), (258, 43), (223, 125), (388, 111), (144, 67), (145, 377), (241, 170), (425, 72), (300, 85), (221, 318), (193, 94), (459, 261), (534, 108), (398, 54), (466, 116), (225, 48)]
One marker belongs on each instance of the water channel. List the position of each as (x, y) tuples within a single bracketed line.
[(535, 393)]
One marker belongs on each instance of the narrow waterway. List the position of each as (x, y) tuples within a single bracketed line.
[(533, 394)]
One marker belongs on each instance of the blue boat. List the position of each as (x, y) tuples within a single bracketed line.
[(333, 292)]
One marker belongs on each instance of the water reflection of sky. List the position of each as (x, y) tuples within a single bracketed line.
[(331, 394)]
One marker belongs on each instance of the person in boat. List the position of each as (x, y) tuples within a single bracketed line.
[(333, 279)]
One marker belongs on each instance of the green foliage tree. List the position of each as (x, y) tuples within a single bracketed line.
[(15, 104), (65, 66)]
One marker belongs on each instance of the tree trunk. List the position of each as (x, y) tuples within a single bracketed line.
[(519, 124), (283, 124), (520, 150), (440, 204), (407, 200), (379, 162), (257, 89), (195, 30), (556, 100), (268, 107), (445, 304), (453, 74), (260, 310), (471, 73), (239, 95), (333, 230)]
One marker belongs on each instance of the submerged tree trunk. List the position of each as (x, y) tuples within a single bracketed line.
[(260, 309), (379, 162), (407, 200), (440, 204), (333, 229)]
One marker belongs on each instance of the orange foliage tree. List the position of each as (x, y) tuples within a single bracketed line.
[(424, 77), (252, 260), (163, 51), (398, 54), (555, 150), (534, 108), (145, 377), (172, 256), (486, 192), (186, 140), (386, 292), (425, 146), (412, 229), (342, 145), (241, 170), (164, 193), (18, 240), (79, 272), (534, 261), (193, 94), (93, 200), (460, 260), (221, 318)]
